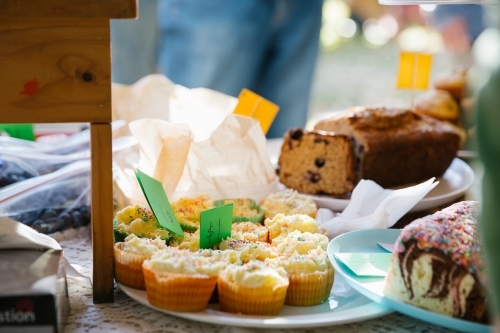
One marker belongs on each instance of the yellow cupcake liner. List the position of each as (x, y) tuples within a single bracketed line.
[(178, 292), (128, 267), (309, 288), (254, 301)]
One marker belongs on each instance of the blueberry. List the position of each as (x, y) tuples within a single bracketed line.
[(55, 224), (66, 221), (319, 162), (296, 133), (47, 214), (314, 177), (85, 211), (42, 227), (77, 219)]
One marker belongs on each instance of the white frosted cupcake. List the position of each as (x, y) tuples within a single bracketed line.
[(177, 280), (310, 276), (288, 202), (282, 224), (250, 231), (248, 250), (129, 256), (253, 288), (299, 242)]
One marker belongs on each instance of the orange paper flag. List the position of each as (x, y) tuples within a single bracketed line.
[(252, 105), (414, 70)]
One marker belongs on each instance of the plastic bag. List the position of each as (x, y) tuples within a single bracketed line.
[(59, 145), (51, 203), (17, 166)]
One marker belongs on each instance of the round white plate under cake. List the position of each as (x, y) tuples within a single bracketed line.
[(365, 241), (457, 179), (344, 306)]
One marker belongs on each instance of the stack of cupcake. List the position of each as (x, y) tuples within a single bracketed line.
[(261, 267)]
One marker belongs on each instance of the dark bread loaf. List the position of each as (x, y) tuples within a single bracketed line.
[(394, 146), (317, 162)]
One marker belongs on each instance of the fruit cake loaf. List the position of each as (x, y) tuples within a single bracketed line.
[(436, 264), (317, 162), (394, 146)]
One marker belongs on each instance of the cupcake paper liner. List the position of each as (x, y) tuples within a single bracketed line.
[(255, 301), (128, 268), (178, 292), (309, 289)]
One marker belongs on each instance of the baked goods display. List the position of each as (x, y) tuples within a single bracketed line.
[(437, 265), (256, 270), (317, 162), (288, 202), (395, 146)]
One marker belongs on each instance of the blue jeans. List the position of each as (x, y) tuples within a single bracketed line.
[(267, 46), (134, 45)]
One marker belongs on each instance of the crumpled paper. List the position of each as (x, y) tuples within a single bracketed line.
[(192, 143), (373, 207)]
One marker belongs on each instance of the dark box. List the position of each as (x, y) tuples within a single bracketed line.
[(33, 291)]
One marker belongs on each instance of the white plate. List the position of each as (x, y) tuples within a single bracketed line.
[(365, 241), (344, 306), (457, 179)]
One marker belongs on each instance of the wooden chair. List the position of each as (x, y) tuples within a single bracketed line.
[(55, 61)]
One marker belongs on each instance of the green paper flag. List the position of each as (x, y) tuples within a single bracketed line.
[(366, 264), (215, 225), (158, 202)]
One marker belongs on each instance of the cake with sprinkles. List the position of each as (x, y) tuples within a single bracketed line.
[(437, 264)]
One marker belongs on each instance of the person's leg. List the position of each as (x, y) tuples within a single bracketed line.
[(134, 45), (287, 78), (216, 44)]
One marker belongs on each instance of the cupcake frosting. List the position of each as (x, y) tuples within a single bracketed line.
[(288, 202), (174, 260), (143, 246), (314, 261), (248, 250), (249, 231), (283, 224), (141, 222), (299, 242), (255, 274)]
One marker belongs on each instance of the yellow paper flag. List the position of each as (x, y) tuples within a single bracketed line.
[(414, 70), (252, 105)]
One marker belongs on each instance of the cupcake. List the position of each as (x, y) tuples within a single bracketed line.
[(188, 210), (177, 280), (190, 241), (129, 256), (288, 202), (244, 209), (254, 288), (310, 276), (248, 250), (139, 221), (250, 231), (282, 224), (299, 242)]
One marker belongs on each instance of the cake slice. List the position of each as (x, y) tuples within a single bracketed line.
[(316, 162), (436, 264)]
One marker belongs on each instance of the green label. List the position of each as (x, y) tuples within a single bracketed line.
[(215, 225), (158, 202), (366, 264)]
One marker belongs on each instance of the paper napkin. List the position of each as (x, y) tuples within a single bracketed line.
[(373, 207)]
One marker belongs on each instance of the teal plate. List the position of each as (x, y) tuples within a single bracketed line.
[(365, 241)]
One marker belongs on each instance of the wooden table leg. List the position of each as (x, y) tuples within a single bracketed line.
[(102, 213)]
